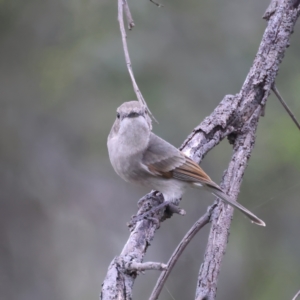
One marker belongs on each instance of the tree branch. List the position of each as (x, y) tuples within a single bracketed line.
[(221, 218), (251, 99)]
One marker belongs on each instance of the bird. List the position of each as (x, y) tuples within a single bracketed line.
[(141, 157)]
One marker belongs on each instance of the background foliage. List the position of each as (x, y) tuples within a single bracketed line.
[(62, 208)]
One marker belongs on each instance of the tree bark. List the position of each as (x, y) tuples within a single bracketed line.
[(281, 16)]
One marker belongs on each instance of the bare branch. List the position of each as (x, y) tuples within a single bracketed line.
[(296, 296), (130, 22), (119, 282), (135, 266), (276, 92), (125, 48), (222, 216), (178, 251), (251, 99), (156, 3)]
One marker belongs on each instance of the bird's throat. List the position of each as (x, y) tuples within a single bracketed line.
[(134, 134)]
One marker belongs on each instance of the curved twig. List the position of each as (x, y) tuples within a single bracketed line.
[(178, 251), (125, 47)]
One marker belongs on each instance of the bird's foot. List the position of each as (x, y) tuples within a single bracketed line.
[(158, 213)]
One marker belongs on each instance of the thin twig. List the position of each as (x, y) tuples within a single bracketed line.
[(178, 251), (276, 92), (130, 21), (156, 3), (125, 48), (136, 266), (295, 297)]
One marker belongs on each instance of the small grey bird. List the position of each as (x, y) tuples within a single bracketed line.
[(139, 156)]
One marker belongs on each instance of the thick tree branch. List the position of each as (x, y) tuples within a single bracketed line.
[(221, 218), (236, 117), (251, 99)]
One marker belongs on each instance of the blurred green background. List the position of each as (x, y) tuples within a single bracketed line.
[(63, 210)]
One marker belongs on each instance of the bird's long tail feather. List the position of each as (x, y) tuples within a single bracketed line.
[(237, 205)]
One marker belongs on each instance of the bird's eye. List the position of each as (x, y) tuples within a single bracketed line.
[(118, 115)]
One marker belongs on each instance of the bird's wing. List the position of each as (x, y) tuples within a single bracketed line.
[(190, 171), (163, 159)]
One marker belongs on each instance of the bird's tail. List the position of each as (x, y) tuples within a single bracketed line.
[(244, 210)]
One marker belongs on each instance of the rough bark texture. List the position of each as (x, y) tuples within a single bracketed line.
[(236, 117), (249, 103)]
